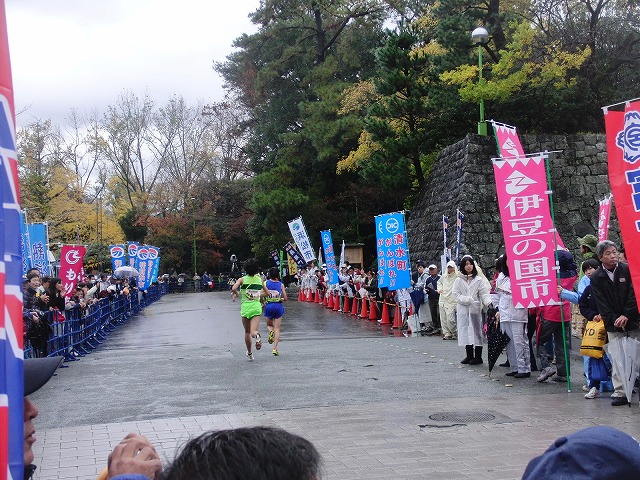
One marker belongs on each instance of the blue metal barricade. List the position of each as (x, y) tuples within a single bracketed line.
[(83, 329)]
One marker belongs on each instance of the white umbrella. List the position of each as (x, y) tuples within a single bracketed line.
[(125, 272), (623, 353)]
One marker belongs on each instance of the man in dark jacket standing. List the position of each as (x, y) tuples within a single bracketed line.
[(431, 290), (616, 301)]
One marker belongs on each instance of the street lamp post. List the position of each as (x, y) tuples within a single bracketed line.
[(195, 251), (479, 37)]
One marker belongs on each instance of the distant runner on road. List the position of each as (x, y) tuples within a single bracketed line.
[(274, 310)]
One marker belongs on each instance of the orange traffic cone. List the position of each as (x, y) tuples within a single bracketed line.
[(397, 322), (300, 297), (385, 314), (318, 297), (373, 311), (336, 303), (354, 307), (325, 299), (309, 299), (347, 305), (363, 311), (328, 301)]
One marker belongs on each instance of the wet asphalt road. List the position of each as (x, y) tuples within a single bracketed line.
[(185, 355)]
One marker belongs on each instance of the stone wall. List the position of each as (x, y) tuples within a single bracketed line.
[(462, 177)]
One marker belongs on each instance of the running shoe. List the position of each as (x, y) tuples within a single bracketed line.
[(275, 352), (272, 334), (250, 356), (258, 342)]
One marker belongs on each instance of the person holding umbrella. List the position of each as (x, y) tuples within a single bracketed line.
[(616, 301)]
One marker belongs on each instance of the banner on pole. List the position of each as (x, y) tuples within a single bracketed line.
[(144, 266), (509, 145), (393, 254), (604, 215), (132, 252), (24, 243), (301, 239), (521, 184), (445, 229), (329, 256), (117, 256), (295, 254), (623, 153), (154, 257), (293, 267), (39, 247), (71, 257), (459, 225), (276, 258)]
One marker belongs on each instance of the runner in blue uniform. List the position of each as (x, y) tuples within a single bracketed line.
[(274, 310), (251, 307)]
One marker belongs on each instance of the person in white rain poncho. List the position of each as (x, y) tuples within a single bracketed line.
[(447, 302), (471, 291), (513, 322)]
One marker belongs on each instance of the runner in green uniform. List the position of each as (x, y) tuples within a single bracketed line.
[(251, 308)]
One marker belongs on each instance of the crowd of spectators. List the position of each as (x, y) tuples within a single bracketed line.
[(44, 302), (464, 302)]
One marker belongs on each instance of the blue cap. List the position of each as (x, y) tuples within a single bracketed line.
[(595, 453)]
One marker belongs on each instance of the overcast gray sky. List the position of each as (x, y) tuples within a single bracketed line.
[(82, 53)]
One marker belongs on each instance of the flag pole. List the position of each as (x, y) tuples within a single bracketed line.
[(555, 250)]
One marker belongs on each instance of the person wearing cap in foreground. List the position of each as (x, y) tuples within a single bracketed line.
[(134, 458), (595, 453)]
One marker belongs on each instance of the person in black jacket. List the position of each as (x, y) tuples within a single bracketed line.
[(616, 302)]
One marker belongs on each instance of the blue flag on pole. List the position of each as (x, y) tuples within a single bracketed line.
[(144, 267), (38, 248), (154, 256), (329, 256), (118, 256), (394, 270)]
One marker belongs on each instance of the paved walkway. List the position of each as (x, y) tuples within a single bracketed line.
[(377, 406)]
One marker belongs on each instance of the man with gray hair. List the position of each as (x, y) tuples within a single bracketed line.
[(616, 301)]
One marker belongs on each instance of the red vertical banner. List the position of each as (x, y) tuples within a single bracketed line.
[(604, 215), (521, 184), (71, 257), (623, 154), (509, 145)]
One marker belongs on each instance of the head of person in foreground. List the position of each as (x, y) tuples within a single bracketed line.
[(595, 453), (256, 453)]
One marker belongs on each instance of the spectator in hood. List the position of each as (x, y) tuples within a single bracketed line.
[(447, 302)]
